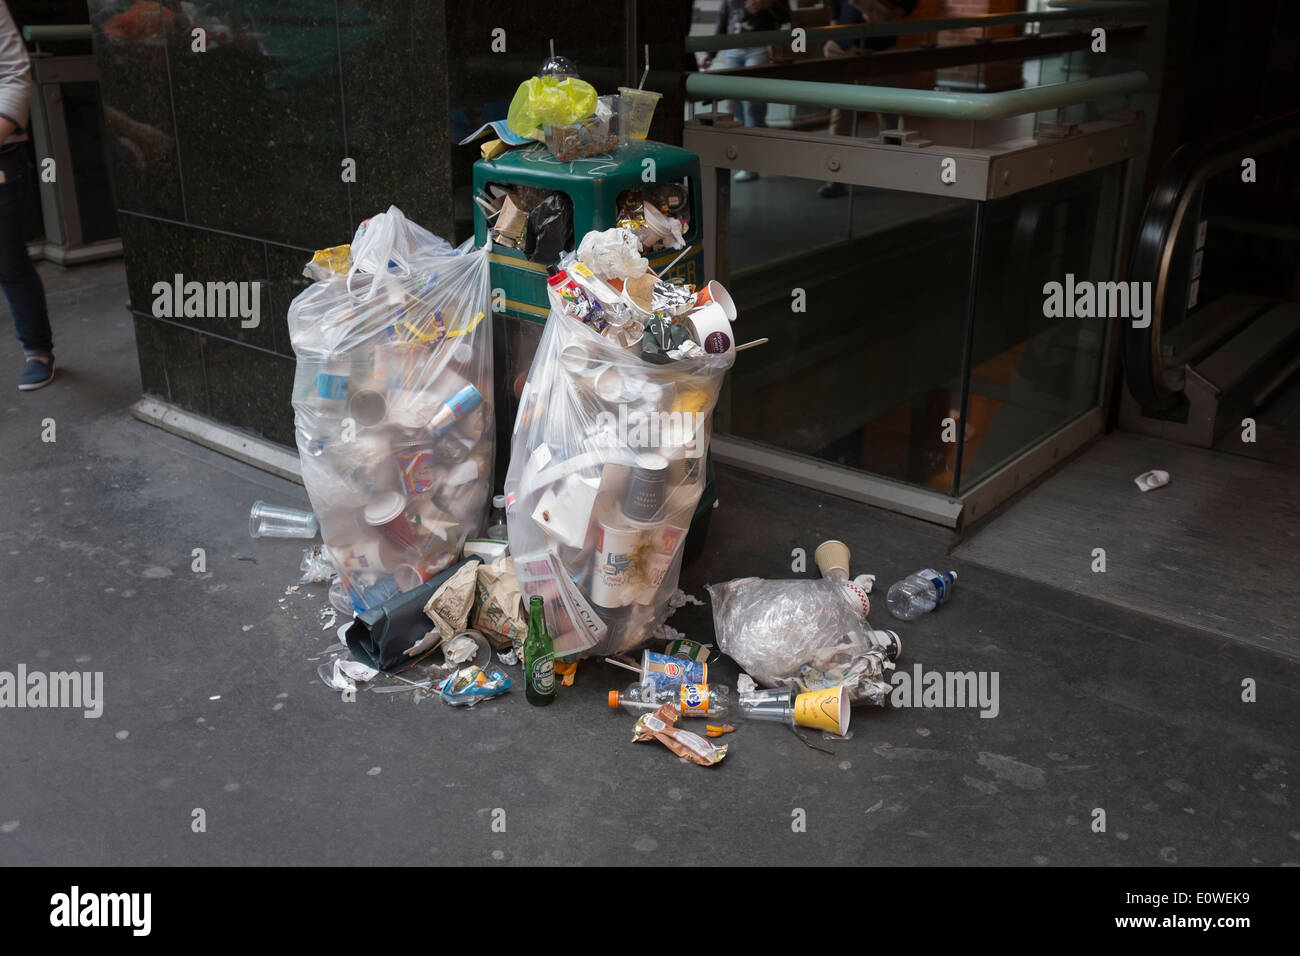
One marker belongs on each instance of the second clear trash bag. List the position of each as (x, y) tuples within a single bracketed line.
[(607, 464), (393, 403)]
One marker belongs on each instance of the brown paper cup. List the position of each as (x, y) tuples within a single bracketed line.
[(832, 556), (824, 709)]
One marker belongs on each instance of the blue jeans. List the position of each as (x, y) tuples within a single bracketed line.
[(18, 279), (749, 112)]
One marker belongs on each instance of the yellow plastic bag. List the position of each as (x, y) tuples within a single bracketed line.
[(543, 101)]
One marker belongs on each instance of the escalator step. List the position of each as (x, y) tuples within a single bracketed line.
[(1270, 340)]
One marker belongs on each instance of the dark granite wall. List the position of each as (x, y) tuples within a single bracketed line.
[(228, 162)]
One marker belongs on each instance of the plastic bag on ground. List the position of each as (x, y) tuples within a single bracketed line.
[(607, 465), (798, 632), (393, 404)]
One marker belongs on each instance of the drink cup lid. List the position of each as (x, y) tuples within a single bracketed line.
[(384, 507)]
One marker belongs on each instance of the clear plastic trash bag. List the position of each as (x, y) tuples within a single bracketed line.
[(798, 632), (393, 403), (607, 465)]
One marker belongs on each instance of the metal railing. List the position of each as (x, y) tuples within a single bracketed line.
[(1163, 222), (934, 103), (1100, 10)]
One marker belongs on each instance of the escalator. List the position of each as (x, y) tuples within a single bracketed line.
[(1220, 245)]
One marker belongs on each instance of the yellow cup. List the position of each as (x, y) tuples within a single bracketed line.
[(826, 709)]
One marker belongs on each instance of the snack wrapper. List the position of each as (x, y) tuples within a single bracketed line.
[(471, 684), (661, 726)]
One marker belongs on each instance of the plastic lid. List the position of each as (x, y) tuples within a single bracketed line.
[(558, 66), (613, 699), (384, 507)]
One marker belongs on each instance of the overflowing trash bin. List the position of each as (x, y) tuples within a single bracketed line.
[(582, 223)]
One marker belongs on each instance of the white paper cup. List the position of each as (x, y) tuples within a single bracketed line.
[(611, 386), (832, 559), (576, 358), (710, 327), (714, 292)]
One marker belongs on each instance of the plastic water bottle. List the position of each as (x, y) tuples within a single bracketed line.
[(497, 529), (920, 593)]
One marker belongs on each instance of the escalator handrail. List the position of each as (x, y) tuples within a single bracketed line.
[(1163, 221)]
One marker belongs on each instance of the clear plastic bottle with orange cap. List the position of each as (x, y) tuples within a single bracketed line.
[(692, 700)]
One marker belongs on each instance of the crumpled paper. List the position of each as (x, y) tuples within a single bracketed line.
[(450, 605)]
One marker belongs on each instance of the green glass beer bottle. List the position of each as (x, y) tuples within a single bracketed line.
[(539, 657)]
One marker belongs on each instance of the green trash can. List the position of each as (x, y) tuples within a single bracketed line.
[(593, 186)]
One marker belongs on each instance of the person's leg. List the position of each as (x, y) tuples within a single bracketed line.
[(756, 110), (18, 279), (839, 125), (730, 60)]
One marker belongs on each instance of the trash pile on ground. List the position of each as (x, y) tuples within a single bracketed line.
[(393, 405)]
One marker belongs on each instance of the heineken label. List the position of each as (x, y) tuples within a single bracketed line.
[(542, 675)]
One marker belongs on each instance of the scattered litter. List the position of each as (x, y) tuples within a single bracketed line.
[(920, 593), (316, 565), (425, 643), (865, 581), (668, 633), (689, 650), (745, 684), (472, 684), (680, 598), (1151, 479), (356, 670), (801, 633), (328, 617), (508, 657), (661, 725), (215, 697), (333, 676)]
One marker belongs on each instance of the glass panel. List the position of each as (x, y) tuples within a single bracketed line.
[(781, 217), (82, 113), (865, 375), (1031, 374)]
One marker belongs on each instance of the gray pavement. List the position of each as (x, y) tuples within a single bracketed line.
[(211, 699)]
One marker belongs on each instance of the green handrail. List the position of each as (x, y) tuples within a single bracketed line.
[(889, 99), (56, 33), (1099, 10)]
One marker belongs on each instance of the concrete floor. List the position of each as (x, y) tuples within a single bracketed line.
[(212, 701)]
